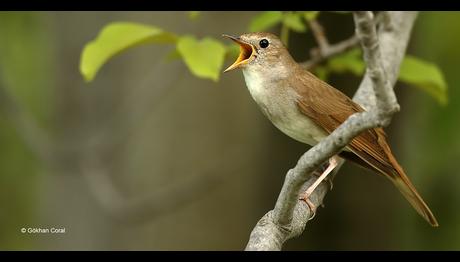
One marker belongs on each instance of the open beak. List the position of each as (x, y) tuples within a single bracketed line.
[(247, 52)]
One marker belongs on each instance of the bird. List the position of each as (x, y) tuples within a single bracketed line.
[(307, 109)]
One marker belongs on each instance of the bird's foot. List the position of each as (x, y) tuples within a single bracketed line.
[(325, 171), (306, 197)]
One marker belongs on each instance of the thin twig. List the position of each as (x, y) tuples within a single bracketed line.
[(319, 34), (332, 50), (325, 50)]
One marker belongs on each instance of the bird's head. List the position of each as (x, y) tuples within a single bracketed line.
[(263, 49)]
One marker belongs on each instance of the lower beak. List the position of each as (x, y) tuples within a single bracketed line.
[(247, 52)]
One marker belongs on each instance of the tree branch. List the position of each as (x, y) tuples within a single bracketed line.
[(289, 216), (319, 34), (393, 36), (325, 50), (319, 55), (385, 97)]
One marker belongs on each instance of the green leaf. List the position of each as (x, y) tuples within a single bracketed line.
[(310, 15), (204, 58), (115, 38), (350, 61), (265, 20), (414, 71), (294, 22), (424, 75), (193, 15)]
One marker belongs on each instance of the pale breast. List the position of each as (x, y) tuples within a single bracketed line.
[(278, 104)]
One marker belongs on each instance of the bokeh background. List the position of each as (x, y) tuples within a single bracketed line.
[(152, 158)]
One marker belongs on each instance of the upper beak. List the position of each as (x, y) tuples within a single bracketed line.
[(247, 51)]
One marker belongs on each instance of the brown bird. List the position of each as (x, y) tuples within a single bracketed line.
[(308, 109)]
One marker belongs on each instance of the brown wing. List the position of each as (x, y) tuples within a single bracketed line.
[(329, 108)]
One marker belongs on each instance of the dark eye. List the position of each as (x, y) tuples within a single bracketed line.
[(263, 43)]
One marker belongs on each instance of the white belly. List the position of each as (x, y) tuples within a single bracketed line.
[(280, 107)]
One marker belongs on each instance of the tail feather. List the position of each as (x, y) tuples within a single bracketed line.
[(408, 190), (393, 171)]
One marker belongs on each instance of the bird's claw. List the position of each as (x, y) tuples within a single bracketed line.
[(331, 185), (310, 205)]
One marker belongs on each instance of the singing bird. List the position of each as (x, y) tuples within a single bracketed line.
[(308, 109)]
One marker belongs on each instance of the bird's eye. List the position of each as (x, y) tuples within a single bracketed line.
[(264, 43)]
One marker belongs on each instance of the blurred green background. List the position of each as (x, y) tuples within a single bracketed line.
[(152, 158)]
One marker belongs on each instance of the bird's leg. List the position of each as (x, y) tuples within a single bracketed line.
[(333, 162), (318, 172)]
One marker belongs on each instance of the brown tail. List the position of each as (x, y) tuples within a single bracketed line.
[(408, 190), (396, 174)]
